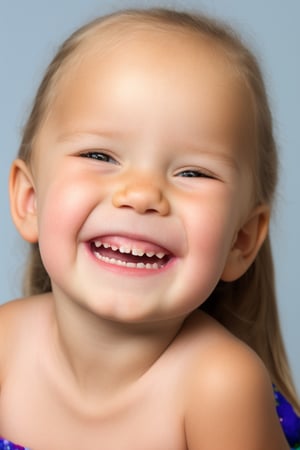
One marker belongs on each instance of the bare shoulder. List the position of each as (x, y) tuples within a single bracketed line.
[(14, 312), (229, 398), (18, 319)]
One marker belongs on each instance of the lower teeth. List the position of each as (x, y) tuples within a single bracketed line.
[(131, 265)]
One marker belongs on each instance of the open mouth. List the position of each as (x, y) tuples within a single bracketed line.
[(127, 256)]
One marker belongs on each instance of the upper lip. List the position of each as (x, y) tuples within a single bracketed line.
[(140, 243), (136, 248), (163, 235), (167, 242)]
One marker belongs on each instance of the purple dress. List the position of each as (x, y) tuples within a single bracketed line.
[(289, 420)]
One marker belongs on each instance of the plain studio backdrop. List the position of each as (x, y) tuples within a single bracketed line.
[(30, 32)]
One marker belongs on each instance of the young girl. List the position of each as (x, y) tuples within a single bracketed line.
[(144, 184)]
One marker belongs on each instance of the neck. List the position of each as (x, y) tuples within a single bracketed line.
[(101, 356)]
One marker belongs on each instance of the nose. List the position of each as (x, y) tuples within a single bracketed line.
[(143, 196)]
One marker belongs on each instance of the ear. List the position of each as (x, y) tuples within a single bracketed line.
[(247, 243), (23, 200)]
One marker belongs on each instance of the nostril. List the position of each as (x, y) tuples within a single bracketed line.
[(151, 210)]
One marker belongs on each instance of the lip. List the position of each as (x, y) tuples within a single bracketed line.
[(167, 237), (132, 243), (167, 232)]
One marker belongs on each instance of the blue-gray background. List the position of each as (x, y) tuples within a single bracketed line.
[(30, 32)]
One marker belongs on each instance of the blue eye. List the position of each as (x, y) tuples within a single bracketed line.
[(99, 156), (194, 174)]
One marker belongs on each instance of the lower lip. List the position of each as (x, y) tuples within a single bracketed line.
[(131, 271)]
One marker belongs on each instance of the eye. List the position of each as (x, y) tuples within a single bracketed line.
[(99, 156), (191, 173)]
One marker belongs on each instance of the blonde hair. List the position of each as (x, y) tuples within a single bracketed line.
[(247, 306)]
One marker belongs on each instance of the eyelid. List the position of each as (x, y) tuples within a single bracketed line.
[(92, 154), (202, 173)]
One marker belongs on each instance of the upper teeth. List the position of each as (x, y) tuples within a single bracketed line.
[(133, 251)]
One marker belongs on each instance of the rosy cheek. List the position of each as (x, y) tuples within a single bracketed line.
[(64, 196)]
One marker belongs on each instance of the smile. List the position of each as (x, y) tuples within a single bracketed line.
[(129, 256)]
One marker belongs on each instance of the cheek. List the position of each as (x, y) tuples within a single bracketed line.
[(60, 207), (67, 197), (63, 209), (210, 240), (212, 217), (211, 246), (210, 229)]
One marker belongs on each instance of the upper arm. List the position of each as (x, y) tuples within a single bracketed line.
[(5, 341), (231, 405), (3, 350), (10, 322)]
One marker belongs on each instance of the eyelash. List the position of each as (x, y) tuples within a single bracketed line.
[(104, 157), (99, 156), (190, 173)]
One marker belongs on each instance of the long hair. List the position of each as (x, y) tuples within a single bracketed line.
[(247, 306)]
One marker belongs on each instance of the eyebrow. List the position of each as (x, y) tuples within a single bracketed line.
[(77, 135), (212, 148), (219, 155)]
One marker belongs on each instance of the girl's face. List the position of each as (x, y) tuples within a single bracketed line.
[(140, 180)]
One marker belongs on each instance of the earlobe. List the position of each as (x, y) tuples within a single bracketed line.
[(23, 200), (247, 243)]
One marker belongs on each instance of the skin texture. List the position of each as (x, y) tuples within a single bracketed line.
[(141, 149)]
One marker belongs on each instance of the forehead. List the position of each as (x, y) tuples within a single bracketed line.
[(174, 54), (153, 75)]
